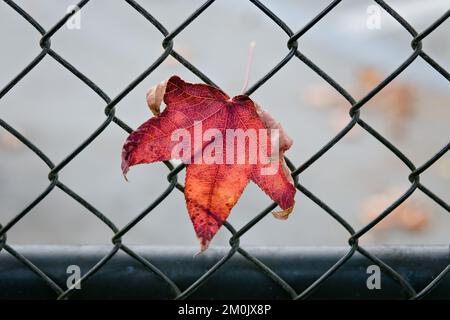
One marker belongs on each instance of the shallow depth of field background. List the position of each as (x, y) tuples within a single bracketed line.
[(56, 111)]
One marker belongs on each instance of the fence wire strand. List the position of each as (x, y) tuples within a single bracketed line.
[(168, 38)]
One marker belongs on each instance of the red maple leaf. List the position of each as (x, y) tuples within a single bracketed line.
[(212, 188)]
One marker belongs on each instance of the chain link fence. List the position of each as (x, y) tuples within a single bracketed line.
[(356, 108)]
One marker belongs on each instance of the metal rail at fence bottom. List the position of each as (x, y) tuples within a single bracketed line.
[(125, 278)]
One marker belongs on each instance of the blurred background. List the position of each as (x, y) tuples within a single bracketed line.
[(358, 177)]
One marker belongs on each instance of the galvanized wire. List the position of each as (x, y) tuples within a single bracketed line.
[(168, 38)]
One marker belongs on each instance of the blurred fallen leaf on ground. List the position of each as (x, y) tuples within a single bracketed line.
[(442, 168), (395, 101), (410, 215), (183, 51), (9, 142)]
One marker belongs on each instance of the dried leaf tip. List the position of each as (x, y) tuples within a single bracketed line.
[(283, 215), (203, 247), (155, 96), (125, 166)]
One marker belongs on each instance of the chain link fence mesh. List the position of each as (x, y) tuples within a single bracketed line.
[(355, 119)]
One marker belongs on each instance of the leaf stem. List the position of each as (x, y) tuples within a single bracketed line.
[(249, 65)]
